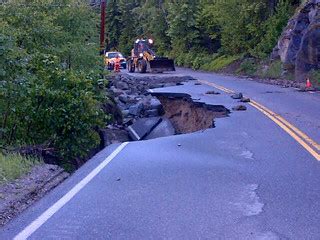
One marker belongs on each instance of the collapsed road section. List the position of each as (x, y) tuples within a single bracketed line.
[(148, 115), (188, 116)]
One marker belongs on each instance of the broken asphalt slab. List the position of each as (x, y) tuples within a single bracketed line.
[(163, 129), (142, 127)]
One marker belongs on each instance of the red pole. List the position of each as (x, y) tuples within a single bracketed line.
[(102, 24)]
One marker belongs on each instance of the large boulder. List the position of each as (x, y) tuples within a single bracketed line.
[(308, 56), (298, 46)]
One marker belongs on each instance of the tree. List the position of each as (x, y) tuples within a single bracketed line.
[(113, 25), (272, 28), (183, 30), (129, 25), (151, 17), (49, 86)]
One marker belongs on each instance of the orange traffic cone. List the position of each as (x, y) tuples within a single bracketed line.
[(308, 84)]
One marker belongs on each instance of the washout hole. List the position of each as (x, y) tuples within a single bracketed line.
[(181, 115), (188, 116)]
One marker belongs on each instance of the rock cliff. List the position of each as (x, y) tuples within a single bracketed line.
[(299, 45)]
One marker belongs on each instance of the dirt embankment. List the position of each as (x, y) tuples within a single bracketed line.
[(18, 195), (187, 117)]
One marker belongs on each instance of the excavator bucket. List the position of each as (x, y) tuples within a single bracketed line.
[(162, 65)]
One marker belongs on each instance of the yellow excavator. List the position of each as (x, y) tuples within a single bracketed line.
[(144, 59)]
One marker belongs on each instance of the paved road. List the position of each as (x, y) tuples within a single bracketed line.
[(248, 178)]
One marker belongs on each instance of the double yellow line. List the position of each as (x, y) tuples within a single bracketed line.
[(303, 139)]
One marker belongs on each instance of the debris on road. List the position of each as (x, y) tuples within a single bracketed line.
[(239, 108), (212, 92), (237, 96), (244, 99), (132, 96), (142, 127), (163, 129)]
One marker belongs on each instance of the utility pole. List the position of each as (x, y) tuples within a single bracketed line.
[(102, 25)]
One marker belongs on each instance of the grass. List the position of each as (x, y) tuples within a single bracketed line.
[(274, 71), (248, 67), (12, 166), (220, 63)]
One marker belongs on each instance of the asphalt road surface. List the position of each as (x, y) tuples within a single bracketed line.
[(256, 175)]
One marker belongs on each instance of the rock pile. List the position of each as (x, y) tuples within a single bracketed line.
[(132, 106), (132, 96)]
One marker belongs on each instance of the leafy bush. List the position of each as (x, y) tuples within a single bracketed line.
[(12, 166), (274, 70), (315, 77), (248, 67), (199, 60), (50, 90)]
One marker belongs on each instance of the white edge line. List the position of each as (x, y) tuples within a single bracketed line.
[(134, 133), (31, 228)]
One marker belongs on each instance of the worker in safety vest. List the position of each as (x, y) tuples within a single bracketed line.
[(117, 64)]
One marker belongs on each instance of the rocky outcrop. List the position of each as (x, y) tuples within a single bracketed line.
[(299, 45)]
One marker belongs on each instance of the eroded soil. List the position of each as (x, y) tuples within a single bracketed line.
[(187, 116)]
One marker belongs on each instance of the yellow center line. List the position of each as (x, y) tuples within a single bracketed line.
[(303, 139), (290, 132), (216, 86), (295, 129)]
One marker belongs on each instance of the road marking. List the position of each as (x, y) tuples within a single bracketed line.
[(216, 86), (295, 129), (290, 132), (36, 224), (303, 139)]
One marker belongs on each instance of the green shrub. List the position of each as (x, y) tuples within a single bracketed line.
[(12, 166), (248, 67), (188, 60), (50, 87), (201, 59), (274, 70), (315, 77)]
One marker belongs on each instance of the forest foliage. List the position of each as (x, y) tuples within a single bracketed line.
[(189, 30), (50, 74)]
